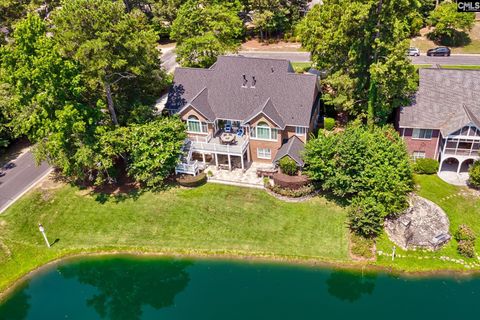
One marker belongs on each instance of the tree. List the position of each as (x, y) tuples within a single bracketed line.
[(448, 22), (116, 50), (154, 150), (474, 175), (368, 165), (206, 29), (361, 45)]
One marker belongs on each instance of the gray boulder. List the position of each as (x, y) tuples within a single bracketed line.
[(423, 225)]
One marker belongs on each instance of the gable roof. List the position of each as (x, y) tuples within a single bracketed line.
[(268, 110), (281, 94), (200, 103), (447, 99), (292, 148)]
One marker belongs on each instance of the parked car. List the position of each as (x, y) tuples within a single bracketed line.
[(439, 51), (412, 51)]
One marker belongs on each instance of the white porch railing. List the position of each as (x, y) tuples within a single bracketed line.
[(188, 168), (220, 148), (202, 139), (461, 152)]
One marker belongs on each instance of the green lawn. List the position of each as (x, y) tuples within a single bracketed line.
[(209, 219), (301, 67), (461, 206)]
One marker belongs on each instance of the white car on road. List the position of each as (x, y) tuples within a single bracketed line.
[(412, 51)]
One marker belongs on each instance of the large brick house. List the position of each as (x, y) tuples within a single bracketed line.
[(443, 122), (262, 106)]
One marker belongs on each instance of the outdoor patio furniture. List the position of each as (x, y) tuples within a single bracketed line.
[(227, 138), (266, 172), (228, 128), (240, 132)]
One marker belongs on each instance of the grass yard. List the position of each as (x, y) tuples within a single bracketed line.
[(209, 219), (301, 67), (462, 207)]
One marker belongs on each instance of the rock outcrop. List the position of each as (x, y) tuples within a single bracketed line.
[(423, 225)]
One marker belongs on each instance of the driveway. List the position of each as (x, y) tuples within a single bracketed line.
[(18, 176)]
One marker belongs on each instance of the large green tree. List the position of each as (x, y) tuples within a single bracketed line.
[(117, 53), (362, 44), (367, 165), (206, 29), (450, 26)]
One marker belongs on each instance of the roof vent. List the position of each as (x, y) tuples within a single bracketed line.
[(272, 69), (254, 81), (244, 81)]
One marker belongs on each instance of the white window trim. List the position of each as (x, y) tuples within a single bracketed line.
[(262, 139), (201, 127), (269, 157), (418, 152), (413, 138), (304, 129)]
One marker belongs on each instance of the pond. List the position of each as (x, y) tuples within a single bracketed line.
[(146, 288)]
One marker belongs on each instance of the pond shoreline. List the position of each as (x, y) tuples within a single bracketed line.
[(363, 266)]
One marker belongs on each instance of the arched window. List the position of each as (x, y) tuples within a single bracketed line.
[(193, 124), (263, 131)]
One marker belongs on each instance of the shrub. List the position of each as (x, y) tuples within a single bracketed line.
[(466, 248), (425, 166), (290, 182), (365, 217), (328, 124), (288, 166), (209, 173), (192, 181), (361, 246), (474, 173), (363, 162), (301, 192), (465, 233)]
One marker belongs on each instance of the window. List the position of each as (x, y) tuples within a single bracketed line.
[(194, 125), (418, 155), (300, 131), (264, 153), (422, 134), (263, 132)]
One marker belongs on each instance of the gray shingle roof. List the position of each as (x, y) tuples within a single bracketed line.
[(292, 148), (292, 95), (447, 99), (268, 109), (200, 103)]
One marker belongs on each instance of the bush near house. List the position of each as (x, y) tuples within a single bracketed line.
[(328, 124), (474, 175), (288, 166), (367, 165), (466, 248), (425, 166)]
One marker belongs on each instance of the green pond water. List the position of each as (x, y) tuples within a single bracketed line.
[(141, 288)]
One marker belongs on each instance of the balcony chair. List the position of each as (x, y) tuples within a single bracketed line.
[(240, 133), (228, 128)]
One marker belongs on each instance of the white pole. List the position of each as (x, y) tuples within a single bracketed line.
[(393, 252), (42, 230)]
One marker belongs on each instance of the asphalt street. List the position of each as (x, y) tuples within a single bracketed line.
[(169, 56), (17, 176)]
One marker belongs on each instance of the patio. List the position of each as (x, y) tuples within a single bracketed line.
[(237, 176)]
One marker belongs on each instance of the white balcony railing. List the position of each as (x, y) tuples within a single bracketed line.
[(220, 148), (461, 152), (188, 168)]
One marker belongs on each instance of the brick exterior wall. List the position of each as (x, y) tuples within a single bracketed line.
[(272, 145), (428, 146)]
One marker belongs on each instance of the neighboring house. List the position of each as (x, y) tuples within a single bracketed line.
[(443, 123), (268, 108)]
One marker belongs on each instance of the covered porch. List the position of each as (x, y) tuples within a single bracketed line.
[(454, 169)]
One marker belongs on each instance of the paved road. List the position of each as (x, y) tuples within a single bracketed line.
[(17, 176), (169, 59), (292, 56), (454, 59)]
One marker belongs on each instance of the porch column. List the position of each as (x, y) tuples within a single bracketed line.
[(216, 160), (243, 166), (248, 153), (203, 157), (459, 166), (229, 163)]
